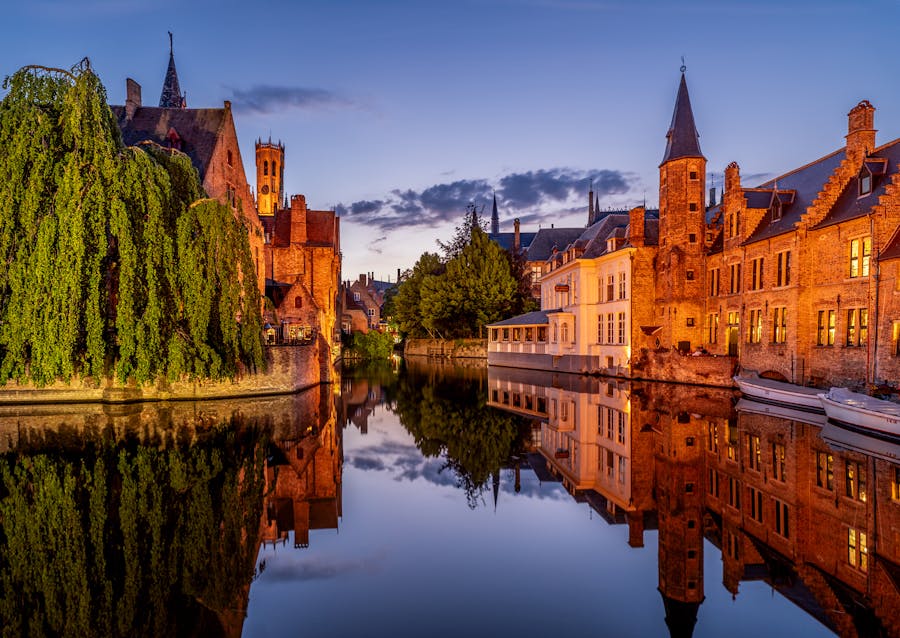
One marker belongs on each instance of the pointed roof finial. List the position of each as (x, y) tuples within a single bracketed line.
[(495, 217), (171, 96), (683, 67), (171, 45), (682, 137)]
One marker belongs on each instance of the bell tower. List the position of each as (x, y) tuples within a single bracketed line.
[(269, 176)]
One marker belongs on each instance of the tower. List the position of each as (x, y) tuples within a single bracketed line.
[(495, 218), (682, 225), (171, 96), (269, 176)]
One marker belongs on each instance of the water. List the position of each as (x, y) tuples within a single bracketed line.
[(446, 502)]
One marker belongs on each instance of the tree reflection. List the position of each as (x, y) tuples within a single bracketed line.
[(445, 410), (127, 538)]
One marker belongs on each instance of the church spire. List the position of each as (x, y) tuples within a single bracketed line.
[(495, 218), (171, 96), (591, 203), (682, 138)]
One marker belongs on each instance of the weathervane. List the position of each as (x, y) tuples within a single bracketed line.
[(683, 67)]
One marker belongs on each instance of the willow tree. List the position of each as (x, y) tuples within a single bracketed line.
[(111, 259)]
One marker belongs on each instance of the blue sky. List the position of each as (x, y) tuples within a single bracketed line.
[(397, 113)]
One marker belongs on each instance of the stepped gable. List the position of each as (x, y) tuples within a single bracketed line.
[(196, 130), (546, 239), (883, 164), (805, 183)]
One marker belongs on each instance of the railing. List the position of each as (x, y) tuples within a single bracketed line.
[(304, 336)]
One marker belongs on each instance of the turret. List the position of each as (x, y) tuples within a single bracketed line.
[(269, 176)]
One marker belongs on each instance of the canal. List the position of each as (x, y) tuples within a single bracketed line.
[(443, 501)]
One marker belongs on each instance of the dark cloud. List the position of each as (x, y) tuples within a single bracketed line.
[(548, 193), (366, 463), (318, 569), (265, 98)]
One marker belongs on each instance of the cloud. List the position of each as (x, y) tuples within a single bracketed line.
[(266, 98), (532, 196), (319, 569), (366, 463)]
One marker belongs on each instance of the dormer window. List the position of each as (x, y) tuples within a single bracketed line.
[(865, 181), (776, 208)]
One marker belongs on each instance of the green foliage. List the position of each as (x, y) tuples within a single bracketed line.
[(477, 288), (110, 263), (127, 539), (373, 345), (406, 302), (462, 234)]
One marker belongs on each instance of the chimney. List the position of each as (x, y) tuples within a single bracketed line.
[(362, 279), (298, 219), (132, 98), (636, 226), (398, 275), (732, 178), (861, 130), (517, 244)]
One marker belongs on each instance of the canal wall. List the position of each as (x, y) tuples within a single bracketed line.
[(288, 369), (446, 348), (670, 365)]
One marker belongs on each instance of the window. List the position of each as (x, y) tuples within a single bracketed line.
[(756, 503), (825, 328), (506, 334), (542, 334), (776, 209), (855, 483), (782, 522), (298, 302), (600, 329), (620, 437), (712, 438), (783, 268), (692, 206), (689, 322), (756, 280), (825, 470), (495, 334), (865, 182), (690, 275), (734, 493), (610, 287), (565, 332), (274, 169), (692, 174), (371, 312), (266, 168), (714, 282), (713, 483), (610, 328), (857, 326), (517, 334), (712, 327), (860, 256), (229, 159), (895, 483), (622, 285), (622, 466), (609, 423), (735, 283), (857, 549), (535, 274), (355, 296), (529, 334), (778, 462), (609, 463), (692, 238), (755, 329), (733, 546), (621, 327), (731, 449), (779, 325), (754, 452)]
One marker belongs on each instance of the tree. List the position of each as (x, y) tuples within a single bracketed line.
[(111, 259), (462, 234), (522, 301), (477, 288), (406, 304)]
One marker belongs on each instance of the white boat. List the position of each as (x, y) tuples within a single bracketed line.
[(856, 439), (779, 392), (862, 411)]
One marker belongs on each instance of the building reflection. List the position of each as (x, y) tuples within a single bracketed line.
[(805, 506)]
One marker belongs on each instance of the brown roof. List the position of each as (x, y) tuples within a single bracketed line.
[(198, 130)]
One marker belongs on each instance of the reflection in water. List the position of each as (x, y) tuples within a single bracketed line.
[(816, 518), (165, 519)]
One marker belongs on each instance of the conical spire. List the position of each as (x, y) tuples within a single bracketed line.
[(495, 218), (171, 96), (682, 138), (591, 204)]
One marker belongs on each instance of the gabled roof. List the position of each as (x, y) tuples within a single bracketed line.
[(682, 140), (541, 247), (535, 318), (198, 130), (609, 226), (850, 204), (805, 182), (507, 240)]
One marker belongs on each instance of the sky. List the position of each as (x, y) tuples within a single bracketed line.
[(398, 113)]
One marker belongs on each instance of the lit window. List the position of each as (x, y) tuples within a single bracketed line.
[(825, 470), (857, 549), (712, 437), (895, 483), (779, 325), (825, 327), (755, 329), (778, 462), (855, 482), (754, 453), (783, 274), (756, 281), (860, 256), (712, 328), (782, 522)]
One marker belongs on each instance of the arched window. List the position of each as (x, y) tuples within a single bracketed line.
[(555, 333), (266, 167), (298, 302), (565, 332), (274, 169), (230, 159)]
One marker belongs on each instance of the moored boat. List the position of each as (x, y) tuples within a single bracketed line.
[(790, 413), (780, 392), (862, 411)]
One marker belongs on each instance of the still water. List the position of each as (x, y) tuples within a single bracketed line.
[(443, 501)]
